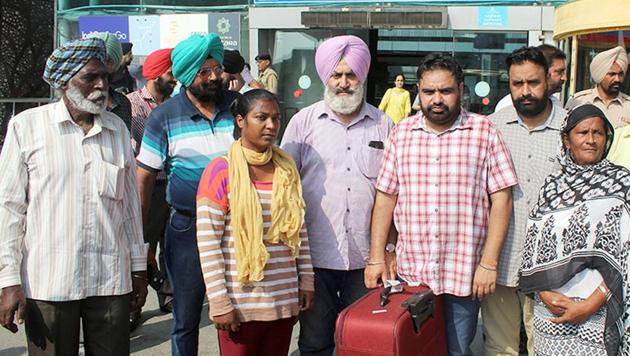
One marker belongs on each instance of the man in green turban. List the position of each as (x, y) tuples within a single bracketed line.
[(182, 136)]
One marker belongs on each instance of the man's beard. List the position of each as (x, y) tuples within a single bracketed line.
[(447, 115), (163, 87), (613, 88), (537, 105), (344, 104), (94, 103), (208, 91)]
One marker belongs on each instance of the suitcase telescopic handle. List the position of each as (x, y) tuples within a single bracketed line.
[(420, 306)]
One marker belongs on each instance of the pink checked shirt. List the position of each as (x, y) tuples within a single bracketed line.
[(443, 182), (142, 103)]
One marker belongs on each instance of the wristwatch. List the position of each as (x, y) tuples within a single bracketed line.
[(390, 247)]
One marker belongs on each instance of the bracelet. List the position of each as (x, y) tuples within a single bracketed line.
[(137, 276), (373, 263), (487, 268), (607, 293)]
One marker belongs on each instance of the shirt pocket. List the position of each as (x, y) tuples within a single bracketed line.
[(110, 180), (369, 161)]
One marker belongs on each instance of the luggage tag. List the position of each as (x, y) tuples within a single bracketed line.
[(397, 286)]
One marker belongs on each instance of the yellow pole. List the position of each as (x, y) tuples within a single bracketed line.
[(574, 60)]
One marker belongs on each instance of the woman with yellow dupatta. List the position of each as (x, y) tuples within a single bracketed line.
[(252, 241)]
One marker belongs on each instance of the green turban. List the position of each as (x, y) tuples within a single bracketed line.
[(189, 55), (112, 45)]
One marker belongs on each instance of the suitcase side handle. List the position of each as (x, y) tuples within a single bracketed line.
[(421, 307)]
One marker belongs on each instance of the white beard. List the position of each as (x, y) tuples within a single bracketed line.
[(344, 104), (94, 103)]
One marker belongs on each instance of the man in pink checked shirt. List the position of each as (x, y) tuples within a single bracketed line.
[(446, 180)]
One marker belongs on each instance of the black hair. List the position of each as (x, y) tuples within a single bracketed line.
[(442, 61), (551, 53), (244, 103), (399, 75), (527, 54)]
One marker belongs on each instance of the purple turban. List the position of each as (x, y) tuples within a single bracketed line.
[(333, 50)]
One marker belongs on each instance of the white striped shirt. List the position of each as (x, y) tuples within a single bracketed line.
[(69, 207), (273, 298)]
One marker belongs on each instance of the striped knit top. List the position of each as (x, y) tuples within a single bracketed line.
[(273, 298)]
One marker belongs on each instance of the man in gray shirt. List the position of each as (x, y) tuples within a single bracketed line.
[(531, 128)]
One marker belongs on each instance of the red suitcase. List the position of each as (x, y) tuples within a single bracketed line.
[(365, 328)]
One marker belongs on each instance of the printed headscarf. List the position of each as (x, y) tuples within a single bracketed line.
[(601, 63), (112, 47), (351, 48), (157, 63), (68, 59), (189, 55)]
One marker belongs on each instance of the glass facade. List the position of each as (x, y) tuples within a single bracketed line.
[(481, 54)]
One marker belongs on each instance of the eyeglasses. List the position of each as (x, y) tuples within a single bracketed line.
[(205, 71)]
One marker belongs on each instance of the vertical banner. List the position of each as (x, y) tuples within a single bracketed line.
[(144, 33), (228, 26), (118, 25), (175, 28)]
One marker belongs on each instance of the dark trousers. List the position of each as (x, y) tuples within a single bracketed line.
[(154, 233), (258, 338), (334, 291), (184, 273), (52, 328)]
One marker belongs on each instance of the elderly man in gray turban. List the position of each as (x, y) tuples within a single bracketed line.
[(71, 248), (608, 71)]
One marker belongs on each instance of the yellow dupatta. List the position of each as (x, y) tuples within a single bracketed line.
[(287, 208)]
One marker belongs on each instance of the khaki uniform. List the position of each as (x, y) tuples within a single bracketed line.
[(269, 80), (617, 111)]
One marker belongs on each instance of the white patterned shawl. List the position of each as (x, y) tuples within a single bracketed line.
[(582, 220)]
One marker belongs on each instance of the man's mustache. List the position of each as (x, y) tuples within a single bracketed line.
[(527, 97), (347, 91), (212, 84), (439, 106), (97, 95)]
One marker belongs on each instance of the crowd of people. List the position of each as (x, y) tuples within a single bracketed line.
[(522, 216)]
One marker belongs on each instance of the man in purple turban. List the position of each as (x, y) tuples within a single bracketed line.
[(337, 144)]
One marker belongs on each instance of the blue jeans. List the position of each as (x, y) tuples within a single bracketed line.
[(460, 315), (184, 273), (334, 291)]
